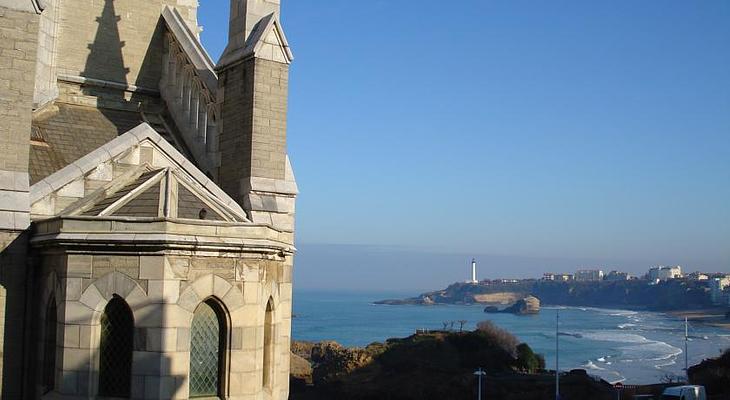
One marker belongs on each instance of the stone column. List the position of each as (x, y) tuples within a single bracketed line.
[(253, 93), (19, 31)]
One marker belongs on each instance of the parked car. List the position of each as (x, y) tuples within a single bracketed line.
[(685, 393)]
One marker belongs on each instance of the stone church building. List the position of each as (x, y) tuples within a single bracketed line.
[(146, 202)]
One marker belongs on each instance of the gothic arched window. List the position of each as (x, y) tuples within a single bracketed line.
[(207, 350), (117, 338), (49, 347), (269, 345)]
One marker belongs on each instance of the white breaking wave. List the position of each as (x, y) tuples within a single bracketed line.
[(616, 337), (636, 348), (651, 351), (592, 366)]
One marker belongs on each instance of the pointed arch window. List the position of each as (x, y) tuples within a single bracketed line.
[(49, 346), (117, 338), (207, 350), (268, 375)]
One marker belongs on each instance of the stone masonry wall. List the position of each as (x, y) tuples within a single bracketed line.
[(45, 80), (118, 41), (12, 313), (163, 291), (271, 90), (18, 35), (235, 125), (253, 123)]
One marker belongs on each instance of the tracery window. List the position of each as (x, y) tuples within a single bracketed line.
[(207, 344), (49, 347), (117, 338)]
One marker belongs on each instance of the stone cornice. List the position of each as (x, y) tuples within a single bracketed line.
[(123, 234)]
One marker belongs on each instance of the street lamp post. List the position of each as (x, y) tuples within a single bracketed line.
[(480, 374), (557, 354)]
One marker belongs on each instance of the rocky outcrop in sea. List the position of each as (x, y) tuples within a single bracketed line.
[(527, 306)]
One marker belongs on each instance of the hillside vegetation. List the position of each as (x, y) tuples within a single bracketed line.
[(437, 366)]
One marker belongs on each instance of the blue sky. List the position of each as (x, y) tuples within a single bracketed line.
[(535, 135)]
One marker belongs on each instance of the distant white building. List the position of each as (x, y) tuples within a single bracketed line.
[(589, 275), (718, 292), (662, 273)]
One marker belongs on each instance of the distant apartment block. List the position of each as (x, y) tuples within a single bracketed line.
[(662, 273), (719, 290), (589, 275), (698, 276), (557, 277), (617, 276)]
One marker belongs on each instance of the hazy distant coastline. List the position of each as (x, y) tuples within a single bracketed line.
[(669, 296)]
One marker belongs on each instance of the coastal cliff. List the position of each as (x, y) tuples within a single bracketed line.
[(634, 294)]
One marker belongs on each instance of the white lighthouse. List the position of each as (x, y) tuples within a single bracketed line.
[(474, 271)]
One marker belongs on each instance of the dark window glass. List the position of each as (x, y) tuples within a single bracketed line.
[(206, 342), (117, 334), (49, 348)]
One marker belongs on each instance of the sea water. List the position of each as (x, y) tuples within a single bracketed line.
[(616, 345)]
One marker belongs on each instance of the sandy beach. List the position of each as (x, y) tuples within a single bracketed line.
[(714, 317)]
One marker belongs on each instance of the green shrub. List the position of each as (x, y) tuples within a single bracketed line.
[(527, 360)]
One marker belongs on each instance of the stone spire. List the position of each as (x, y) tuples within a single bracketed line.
[(245, 14), (253, 83)]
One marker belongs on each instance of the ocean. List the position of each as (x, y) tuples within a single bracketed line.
[(616, 345)]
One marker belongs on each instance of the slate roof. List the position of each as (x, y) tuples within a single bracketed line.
[(108, 201), (67, 132)]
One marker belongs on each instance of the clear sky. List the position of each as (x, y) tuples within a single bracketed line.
[(536, 135)]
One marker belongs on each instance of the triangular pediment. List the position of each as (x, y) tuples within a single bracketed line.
[(156, 193), (267, 41), (137, 175)]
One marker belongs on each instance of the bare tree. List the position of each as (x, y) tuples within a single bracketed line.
[(452, 325), (671, 378), (462, 322), (446, 325), (499, 336)]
